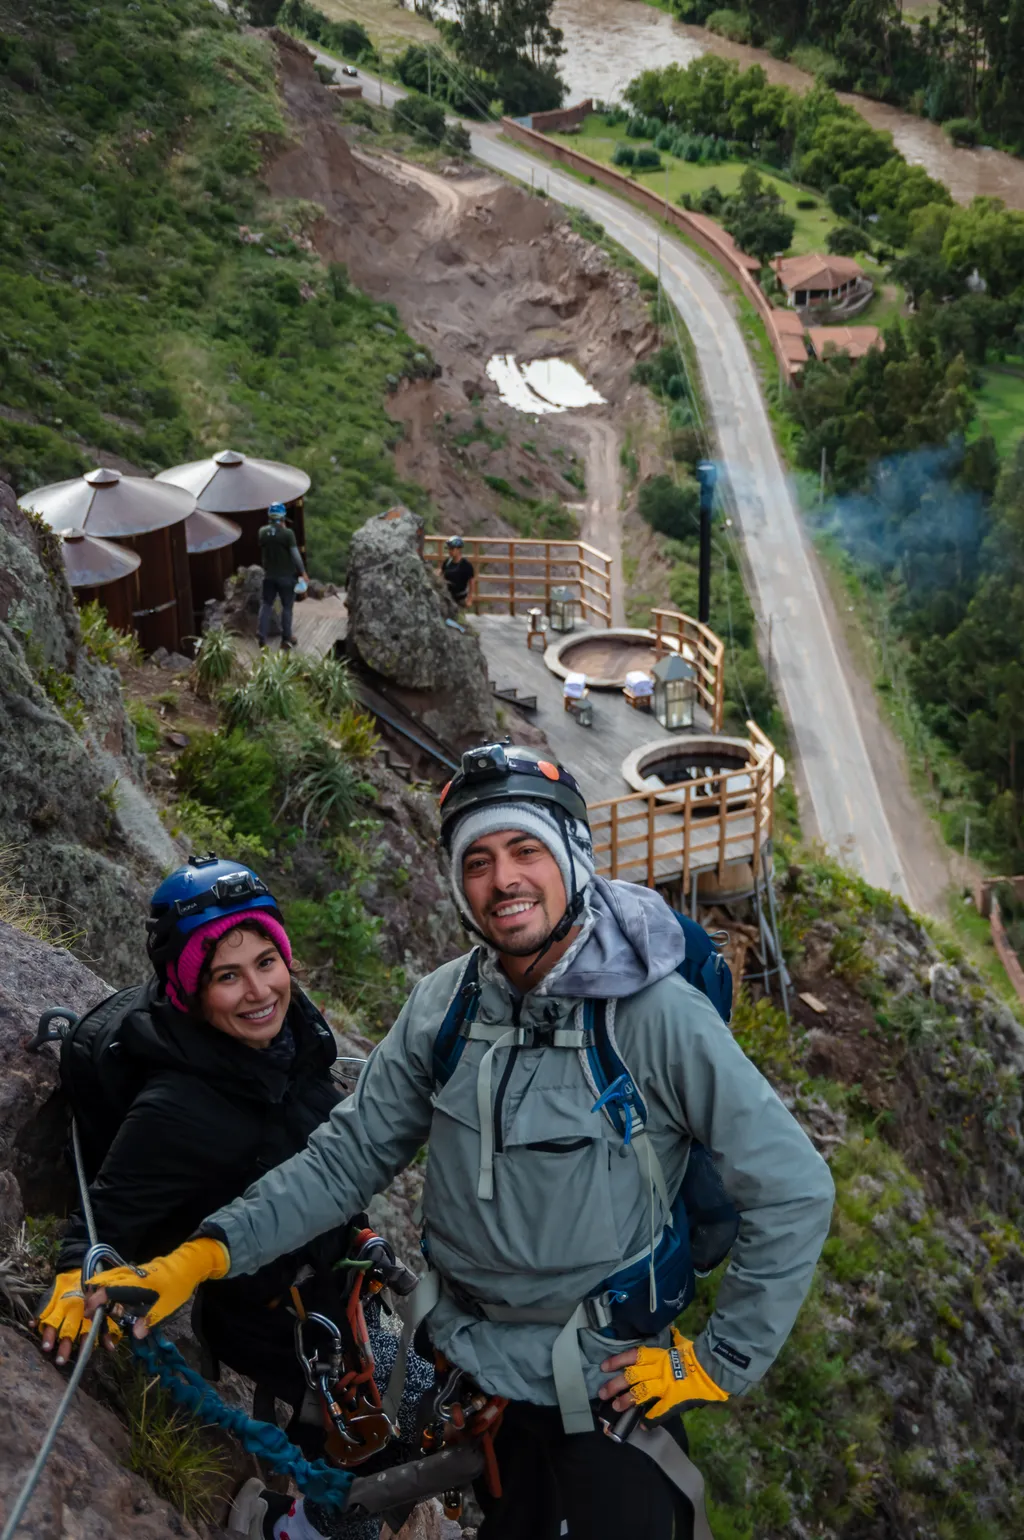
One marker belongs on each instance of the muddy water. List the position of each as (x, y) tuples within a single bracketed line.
[(610, 41)]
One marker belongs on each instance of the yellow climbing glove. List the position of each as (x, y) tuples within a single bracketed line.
[(671, 1378), (164, 1285)]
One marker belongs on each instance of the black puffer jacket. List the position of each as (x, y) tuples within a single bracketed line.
[(212, 1115)]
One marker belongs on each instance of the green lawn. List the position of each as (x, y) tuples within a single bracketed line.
[(598, 141), (1001, 405)]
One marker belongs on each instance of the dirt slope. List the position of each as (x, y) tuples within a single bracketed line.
[(475, 267)]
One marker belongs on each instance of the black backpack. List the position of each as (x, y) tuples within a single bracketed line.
[(98, 1081)]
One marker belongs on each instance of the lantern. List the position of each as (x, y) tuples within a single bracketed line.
[(675, 692), (562, 609)]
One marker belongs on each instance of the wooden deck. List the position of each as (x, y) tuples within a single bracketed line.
[(317, 624), (650, 842)]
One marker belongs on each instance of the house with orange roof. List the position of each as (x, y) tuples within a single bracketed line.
[(813, 282)]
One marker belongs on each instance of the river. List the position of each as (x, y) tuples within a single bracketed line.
[(609, 41)]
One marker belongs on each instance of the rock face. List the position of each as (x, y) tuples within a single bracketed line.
[(398, 627), (33, 1117), (76, 830), (86, 1491)]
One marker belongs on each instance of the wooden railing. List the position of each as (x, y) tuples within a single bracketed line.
[(667, 836), (704, 650), (514, 575)]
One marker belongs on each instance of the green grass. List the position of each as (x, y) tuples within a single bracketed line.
[(135, 320), (598, 141), (1001, 406)]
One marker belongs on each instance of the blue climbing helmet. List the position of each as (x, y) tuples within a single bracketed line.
[(206, 888), (276, 512)]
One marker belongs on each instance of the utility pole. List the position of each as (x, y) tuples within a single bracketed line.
[(706, 475), (429, 87)]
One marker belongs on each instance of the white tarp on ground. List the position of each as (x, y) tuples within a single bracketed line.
[(545, 385)]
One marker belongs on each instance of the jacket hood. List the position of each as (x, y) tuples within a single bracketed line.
[(630, 938), (161, 1037)]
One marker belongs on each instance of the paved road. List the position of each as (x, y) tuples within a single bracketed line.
[(841, 790)]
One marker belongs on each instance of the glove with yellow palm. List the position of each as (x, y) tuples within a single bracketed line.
[(671, 1379), (61, 1318), (162, 1286)]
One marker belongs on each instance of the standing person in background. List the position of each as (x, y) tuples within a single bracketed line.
[(459, 573), (282, 564)]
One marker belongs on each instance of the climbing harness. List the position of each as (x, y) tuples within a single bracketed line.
[(456, 1411)]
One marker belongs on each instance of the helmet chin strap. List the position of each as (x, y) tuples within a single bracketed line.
[(572, 908)]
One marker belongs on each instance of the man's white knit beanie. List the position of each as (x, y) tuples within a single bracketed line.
[(536, 818)]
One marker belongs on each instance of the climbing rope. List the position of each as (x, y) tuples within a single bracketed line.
[(314, 1478)]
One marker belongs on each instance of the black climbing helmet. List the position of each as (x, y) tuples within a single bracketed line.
[(498, 772)]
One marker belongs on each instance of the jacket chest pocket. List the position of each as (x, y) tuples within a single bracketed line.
[(553, 1208)]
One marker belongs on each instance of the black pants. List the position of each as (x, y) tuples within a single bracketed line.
[(602, 1490), (277, 588)]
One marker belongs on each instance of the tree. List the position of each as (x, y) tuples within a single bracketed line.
[(847, 240), (670, 509), (763, 233)]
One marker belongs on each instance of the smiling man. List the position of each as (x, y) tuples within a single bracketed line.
[(594, 1133)]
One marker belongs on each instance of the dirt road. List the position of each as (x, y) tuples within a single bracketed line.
[(846, 790)]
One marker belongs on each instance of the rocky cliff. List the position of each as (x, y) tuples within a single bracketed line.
[(77, 832)]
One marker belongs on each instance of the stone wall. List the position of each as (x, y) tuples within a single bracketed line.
[(560, 119)]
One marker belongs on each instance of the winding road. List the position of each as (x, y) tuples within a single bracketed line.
[(842, 802)]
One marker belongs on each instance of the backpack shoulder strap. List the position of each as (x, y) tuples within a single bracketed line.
[(609, 1074), (450, 1039)]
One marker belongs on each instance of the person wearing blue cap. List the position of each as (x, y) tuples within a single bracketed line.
[(282, 564)]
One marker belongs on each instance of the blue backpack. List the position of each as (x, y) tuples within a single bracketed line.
[(648, 1295)]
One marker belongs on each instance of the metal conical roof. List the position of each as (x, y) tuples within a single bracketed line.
[(107, 504), (90, 563), (209, 532), (230, 482)]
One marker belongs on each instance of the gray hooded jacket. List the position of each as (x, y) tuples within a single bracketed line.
[(531, 1199)]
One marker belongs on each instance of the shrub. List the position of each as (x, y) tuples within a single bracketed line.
[(338, 929), (847, 240), (420, 115), (730, 24), (272, 693), (327, 681), (840, 200), (234, 773), (354, 732), (322, 789), (670, 509), (807, 203), (624, 155), (216, 832), (647, 160), (146, 725), (104, 641), (456, 139), (215, 663), (963, 131)]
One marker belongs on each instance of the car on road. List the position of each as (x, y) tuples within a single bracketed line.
[(350, 69)]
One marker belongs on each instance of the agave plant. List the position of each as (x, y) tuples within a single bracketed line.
[(328, 682), (215, 664), (323, 787), (273, 692)]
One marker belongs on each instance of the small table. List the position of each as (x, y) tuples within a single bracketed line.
[(538, 628), (638, 702)]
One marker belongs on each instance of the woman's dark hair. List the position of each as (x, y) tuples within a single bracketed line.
[(210, 946)]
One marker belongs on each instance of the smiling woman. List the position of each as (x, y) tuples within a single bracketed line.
[(245, 987)]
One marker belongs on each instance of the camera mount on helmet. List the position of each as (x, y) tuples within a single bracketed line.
[(206, 888), (504, 772)]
